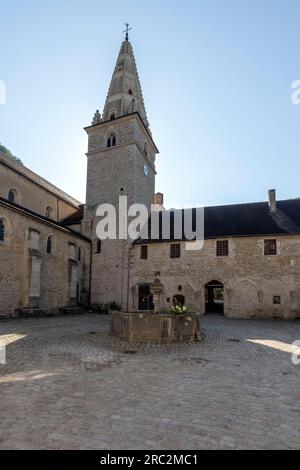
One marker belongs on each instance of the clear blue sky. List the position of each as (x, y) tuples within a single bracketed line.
[(216, 77)]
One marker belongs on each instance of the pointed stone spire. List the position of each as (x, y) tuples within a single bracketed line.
[(125, 92)]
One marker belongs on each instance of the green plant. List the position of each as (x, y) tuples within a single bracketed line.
[(8, 153), (179, 310)]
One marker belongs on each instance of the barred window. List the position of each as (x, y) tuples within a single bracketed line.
[(175, 250), (222, 248), (144, 252), (270, 247), (2, 231)]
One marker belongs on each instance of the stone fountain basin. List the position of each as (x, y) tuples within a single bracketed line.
[(161, 327)]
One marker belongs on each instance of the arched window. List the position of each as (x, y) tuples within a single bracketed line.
[(49, 244), (49, 212), (12, 195), (2, 231), (112, 140)]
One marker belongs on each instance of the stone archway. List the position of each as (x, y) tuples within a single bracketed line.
[(214, 297)]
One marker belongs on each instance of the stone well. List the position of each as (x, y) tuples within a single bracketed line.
[(160, 327)]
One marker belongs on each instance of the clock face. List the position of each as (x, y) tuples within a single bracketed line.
[(146, 170)]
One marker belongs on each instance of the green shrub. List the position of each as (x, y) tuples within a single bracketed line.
[(8, 153)]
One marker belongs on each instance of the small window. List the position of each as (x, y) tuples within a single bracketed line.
[(79, 254), (49, 244), (130, 91), (112, 140), (72, 251), (2, 231), (179, 288), (49, 212), (276, 300), (222, 248), (144, 252), (270, 247), (145, 149), (112, 116), (11, 196), (99, 246), (175, 250)]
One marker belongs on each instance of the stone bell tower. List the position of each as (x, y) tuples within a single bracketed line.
[(121, 162)]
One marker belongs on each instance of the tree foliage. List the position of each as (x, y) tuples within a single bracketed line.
[(8, 153)]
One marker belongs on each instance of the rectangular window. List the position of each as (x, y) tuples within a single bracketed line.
[(144, 252), (276, 300), (222, 248), (98, 246), (175, 250), (270, 247)]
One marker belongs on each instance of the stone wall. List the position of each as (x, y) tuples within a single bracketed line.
[(33, 192), (32, 278), (250, 279)]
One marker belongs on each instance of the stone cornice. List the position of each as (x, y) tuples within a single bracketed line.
[(111, 121)]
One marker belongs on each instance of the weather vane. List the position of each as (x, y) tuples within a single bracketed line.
[(126, 31)]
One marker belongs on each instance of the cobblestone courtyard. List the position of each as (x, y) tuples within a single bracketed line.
[(68, 385)]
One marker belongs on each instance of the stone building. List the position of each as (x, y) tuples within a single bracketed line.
[(44, 258), (51, 257)]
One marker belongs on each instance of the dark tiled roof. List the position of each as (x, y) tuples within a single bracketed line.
[(251, 219)]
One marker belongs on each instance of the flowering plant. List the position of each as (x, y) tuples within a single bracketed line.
[(179, 310)]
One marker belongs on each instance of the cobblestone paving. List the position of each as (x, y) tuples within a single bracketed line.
[(68, 384)]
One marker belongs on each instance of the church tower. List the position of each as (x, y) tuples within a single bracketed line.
[(121, 162)]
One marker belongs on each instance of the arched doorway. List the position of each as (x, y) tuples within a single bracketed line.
[(214, 297)]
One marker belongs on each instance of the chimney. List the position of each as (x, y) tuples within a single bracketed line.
[(159, 199), (272, 200)]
